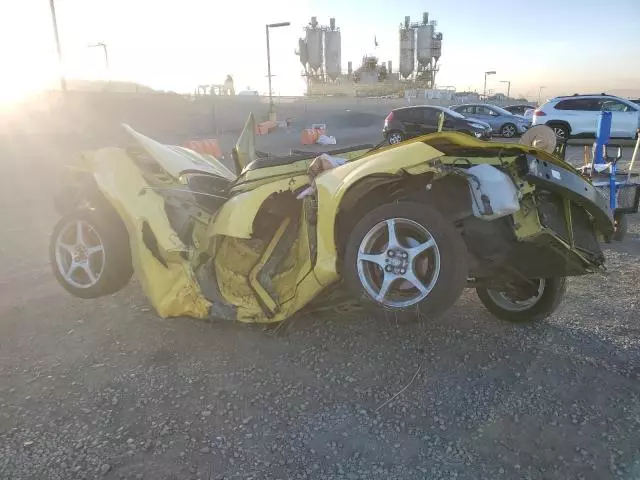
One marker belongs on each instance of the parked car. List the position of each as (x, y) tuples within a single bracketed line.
[(502, 122), (407, 122), (577, 115), (524, 110), (400, 230)]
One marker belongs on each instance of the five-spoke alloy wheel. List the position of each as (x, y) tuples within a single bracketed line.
[(406, 258), (90, 254)]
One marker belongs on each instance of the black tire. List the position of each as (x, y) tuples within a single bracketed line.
[(508, 130), (549, 301), (117, 267), (621, 227), (560, 129), (394, 135), (454, 266)]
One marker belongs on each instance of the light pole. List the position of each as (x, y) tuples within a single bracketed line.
[(267, 27), (491, 72), (63, 80), (106, 54), (508, 82), (540, 93)]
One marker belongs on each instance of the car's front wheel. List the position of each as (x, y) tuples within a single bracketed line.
[(90, 254), (395, 137), (526, 301), (407, 259)]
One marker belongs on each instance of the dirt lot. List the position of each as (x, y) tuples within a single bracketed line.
[(105, 389)]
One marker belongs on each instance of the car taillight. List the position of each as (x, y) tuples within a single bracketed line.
[(538, 113), (389, 118)]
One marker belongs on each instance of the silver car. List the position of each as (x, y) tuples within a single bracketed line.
[(502, 122)]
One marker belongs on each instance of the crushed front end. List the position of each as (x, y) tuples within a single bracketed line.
[(558, 225)]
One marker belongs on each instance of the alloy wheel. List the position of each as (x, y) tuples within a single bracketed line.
[(508, 303), (398, 263), (79, 254)]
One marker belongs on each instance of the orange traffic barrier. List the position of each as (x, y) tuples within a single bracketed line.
[(309, 136), (265, 127), (205, 147)]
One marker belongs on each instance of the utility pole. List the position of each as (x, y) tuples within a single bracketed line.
[(267, 27), (63, 80)]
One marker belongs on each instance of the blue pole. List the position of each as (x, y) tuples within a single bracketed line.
[(603, 134)]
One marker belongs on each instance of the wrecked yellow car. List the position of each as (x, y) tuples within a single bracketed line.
[(400, 229)]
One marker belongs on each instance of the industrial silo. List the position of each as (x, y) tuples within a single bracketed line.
[(332, 50), (436, 49), (302, 52), (424, 34), (407, 49), (314, 45)]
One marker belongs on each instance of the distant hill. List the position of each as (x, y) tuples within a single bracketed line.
[(101, 85)]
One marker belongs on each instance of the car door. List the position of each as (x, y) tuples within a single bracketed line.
[(430, 119), (412, 120), (486, 114), (580, 113), (624, 118)]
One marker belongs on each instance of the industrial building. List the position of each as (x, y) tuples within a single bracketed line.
[(320, 53)]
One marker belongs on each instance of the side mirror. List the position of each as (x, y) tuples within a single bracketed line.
[(612, 153)]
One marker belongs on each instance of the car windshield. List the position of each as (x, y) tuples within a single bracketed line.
[(453, 113)]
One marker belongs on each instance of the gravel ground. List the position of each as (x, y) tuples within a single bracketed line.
[(105, 389)]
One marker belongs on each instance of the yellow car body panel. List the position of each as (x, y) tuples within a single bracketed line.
[(171, 289), (333, 184), (235, 217), (292, 287)]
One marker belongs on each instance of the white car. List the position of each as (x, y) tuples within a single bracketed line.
[(577, 115)]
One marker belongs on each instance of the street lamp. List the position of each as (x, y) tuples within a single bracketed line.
[(491, 72), (106, 54), (508, 82), (540, 93), (63, 80), (267, 27)]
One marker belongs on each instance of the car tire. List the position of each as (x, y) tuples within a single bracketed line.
[(394, 137), (508, 130), (544, 304), (561, 130), (90, 254), (418, 283), (621, 227)]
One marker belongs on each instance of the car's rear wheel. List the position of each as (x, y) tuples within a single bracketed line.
[(395, 137), (508, 130), (525, 303), (405, 258), (90, 254), (561, 130)]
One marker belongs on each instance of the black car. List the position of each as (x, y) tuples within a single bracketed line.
[(519, 109), (407, 122)]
